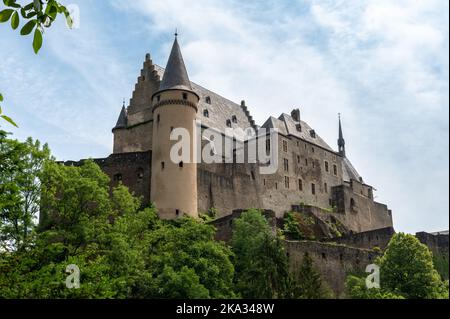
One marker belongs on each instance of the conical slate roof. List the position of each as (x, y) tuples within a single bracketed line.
[(122, 120), (175, 75)]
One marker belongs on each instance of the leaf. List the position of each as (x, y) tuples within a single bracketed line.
[(11, 3), (5, 15), (1, 98), (69, 19), (8, 119), (37, 41), (27, 28), (15, 20)]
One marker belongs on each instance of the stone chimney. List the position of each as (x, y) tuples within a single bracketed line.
[(295, 114)]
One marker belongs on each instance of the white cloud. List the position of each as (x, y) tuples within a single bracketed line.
[(382, 63)]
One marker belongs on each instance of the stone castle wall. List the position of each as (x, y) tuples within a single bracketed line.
[(438, 243), (334, 262), (368, 240), (134, 139), (131, 169)]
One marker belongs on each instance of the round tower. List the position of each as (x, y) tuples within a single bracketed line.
[(174, 183)]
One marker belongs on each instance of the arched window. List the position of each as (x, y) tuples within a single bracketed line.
[(205, 113), (234, 119), (181, 164), (185, 96), (352, 204), (228, 123), (208, 100)]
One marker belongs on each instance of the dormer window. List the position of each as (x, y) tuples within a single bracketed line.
[(205, 113), (298, 127), (312, 133), (234, 119), (229, 123), (208, 100)]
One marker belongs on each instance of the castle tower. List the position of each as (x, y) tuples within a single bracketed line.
[(174, 184), (341, 141)]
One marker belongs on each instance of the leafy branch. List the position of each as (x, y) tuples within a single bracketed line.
[(3, 116), (38, 14)]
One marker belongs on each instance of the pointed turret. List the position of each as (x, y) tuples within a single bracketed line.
[(175, 105), (122, 120), (341, 141), (175, 74)]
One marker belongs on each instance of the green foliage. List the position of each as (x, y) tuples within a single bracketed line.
[(260, 260), (39, 14), (20, 166), (5, 117), (406, 270), (122, 250), (441, 264), (297, 226), (308, 283), (356, 289), (185, 249)]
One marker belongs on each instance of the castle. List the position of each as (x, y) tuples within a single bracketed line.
[(309, 171), (309, 177)]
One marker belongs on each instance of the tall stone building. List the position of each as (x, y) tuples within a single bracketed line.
[(309, 173)]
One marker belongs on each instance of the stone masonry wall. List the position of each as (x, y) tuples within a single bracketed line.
[(334, 262)]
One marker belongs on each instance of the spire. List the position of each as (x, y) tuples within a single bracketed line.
[(341, 141), (122, 120), (175, 74)]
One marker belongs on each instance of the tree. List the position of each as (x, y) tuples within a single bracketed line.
[(260, 260), (20, 166), (308, 282), (356, 289), (406, 268), (406, 271), (39, 14), (121, 249), (186, 262)]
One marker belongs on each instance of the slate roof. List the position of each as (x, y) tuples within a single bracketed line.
[(287, 126), (176, 76), (220, 110), (122, 120), (349, 172)]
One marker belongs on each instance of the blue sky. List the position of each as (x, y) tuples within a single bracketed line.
[(383, 64)]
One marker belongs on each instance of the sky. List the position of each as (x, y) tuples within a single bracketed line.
[(383, 64)]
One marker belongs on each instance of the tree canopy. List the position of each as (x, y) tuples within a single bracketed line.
[(406, 271)]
